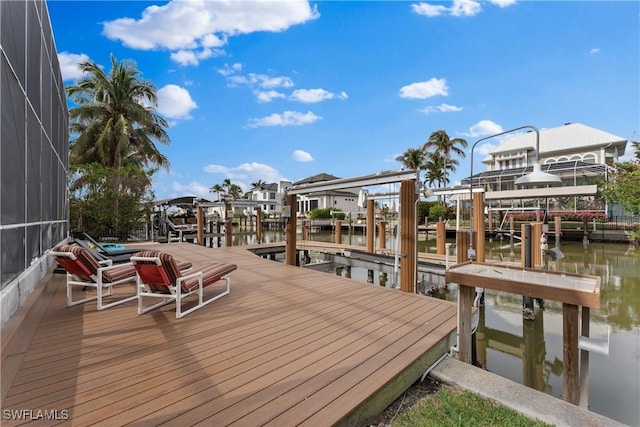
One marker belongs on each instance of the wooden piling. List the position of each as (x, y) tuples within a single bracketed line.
[(338, 232), (478, 226), (557, 229), (371, 218), (200, 225), (441, 237), (466, 295), (536, 251), (462, 246), (290, 230), (571, 354), (408, 236), (382, 235), (259, 224), (228, 228)]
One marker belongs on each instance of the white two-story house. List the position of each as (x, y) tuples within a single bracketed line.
[(269, 197), (344, 200), (580, 155)]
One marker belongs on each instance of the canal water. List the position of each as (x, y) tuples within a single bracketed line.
[(530, 352)]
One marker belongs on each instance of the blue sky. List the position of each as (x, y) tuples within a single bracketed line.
[(281, 89)]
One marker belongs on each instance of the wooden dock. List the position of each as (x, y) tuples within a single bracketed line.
[(288, 346)]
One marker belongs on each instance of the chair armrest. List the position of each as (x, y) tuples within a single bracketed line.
[(112, 267), (188, 276), (107, 262)]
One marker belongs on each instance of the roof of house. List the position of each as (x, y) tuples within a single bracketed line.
[(316, 178), (570, 137), (184, 201), (266, 187)]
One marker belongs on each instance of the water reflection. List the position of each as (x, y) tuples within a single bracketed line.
[(530, 352)]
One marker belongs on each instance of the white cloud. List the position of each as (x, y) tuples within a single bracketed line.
[(230, 69), (246, 173), (216, 169), (260, 80), (175, 102), (458, 8), (310, 96), (595, 50), (442, 108), (269, 82), (268, 96), (191, 189), (211, 40), (193, 57), (288, 118), (423, 90), (428, 9), (503, 3), (69, 65), (196, 24), (465, 8), (484, 127), (302, 156), (263, 85), (486, 148)]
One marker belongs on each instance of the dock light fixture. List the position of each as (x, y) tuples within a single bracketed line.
[(537, 177)]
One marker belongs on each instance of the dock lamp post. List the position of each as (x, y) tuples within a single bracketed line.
[(535, 177)]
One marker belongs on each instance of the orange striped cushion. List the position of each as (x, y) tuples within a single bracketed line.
[(119, 273), (83, 256), (211, 273), (170, 268), (89, 263)]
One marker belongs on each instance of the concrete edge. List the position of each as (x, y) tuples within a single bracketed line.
[(529, 402)]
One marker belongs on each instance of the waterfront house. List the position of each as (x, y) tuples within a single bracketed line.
[(269, 197), (343, 200), (580, 155)]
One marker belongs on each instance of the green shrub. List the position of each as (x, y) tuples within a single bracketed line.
[(438, 211), (325, 213)]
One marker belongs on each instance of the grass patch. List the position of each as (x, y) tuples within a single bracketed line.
[(453, 407)]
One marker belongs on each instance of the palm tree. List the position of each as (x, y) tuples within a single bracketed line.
[(217, 189), (434, 167), (226, 184), (439, 141), (115, 119), (258, 184), (413, 158), (235, 191)]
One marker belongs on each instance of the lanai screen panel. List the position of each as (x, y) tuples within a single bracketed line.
[(34, 139)]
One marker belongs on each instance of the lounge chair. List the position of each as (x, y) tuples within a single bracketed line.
[(83, 270), (104, 256), (99, 248), (160, 277)]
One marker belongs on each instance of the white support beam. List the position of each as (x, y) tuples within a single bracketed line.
[(240, 203), (578, 190), (379, 178), (525, 193)]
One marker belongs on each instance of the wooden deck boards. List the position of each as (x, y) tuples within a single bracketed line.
[(287, 346)]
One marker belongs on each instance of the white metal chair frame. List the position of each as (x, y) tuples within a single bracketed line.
[(176, 292), (98, 283)]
